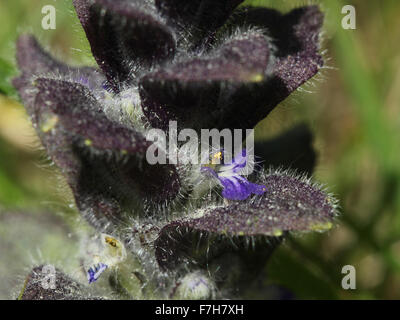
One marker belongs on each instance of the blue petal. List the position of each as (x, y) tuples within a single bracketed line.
[(238, 188), (235, 187), (234, 191), (95, 272)]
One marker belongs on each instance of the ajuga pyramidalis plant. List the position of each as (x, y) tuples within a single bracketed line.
[(175, 231)]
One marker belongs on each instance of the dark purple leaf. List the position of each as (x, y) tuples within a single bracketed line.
[(296, 38), (197, 93), (81, 115), (123, 36), (104, 162), (34, 62), (200, 18), (201, 92), (288, 205)]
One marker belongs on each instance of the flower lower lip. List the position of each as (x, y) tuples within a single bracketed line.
[(235, 186)]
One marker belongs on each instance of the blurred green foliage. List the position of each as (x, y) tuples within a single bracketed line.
[(353, 109), (6, 72)]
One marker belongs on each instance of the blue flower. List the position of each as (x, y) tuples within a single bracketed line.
[(235, 186), (95, 272)]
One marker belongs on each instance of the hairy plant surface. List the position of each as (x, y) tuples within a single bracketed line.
[(176, 231)]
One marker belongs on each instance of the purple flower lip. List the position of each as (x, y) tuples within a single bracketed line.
[(235, 186), (95, 272)]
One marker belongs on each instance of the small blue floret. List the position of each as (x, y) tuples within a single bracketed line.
[(235, 187), (94, 272)]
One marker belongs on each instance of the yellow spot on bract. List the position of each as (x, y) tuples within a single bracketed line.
[(277, 233), (88, 142), (114, 251), (241, 233), (49, 124), (256, 77), (322, 226), (111, 241)]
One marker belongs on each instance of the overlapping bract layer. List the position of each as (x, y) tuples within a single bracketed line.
[(104, 161), (288, 204), (192, 62)]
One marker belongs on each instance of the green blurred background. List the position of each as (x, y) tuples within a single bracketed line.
[(352, 107)]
